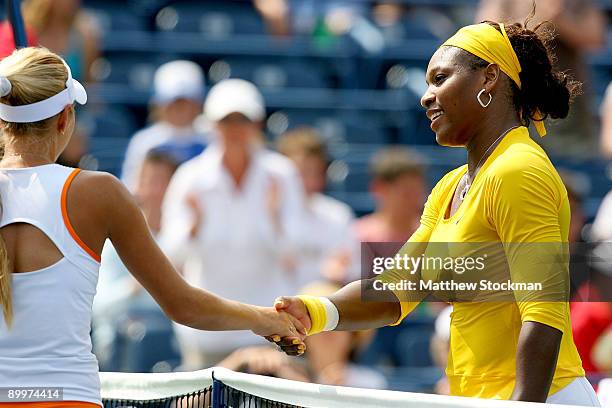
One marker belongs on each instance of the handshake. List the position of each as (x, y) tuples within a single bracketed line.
[(287, 324)]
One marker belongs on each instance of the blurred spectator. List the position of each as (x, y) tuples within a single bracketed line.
[(602, 352), (601, 230), (399, 190), (606, 123), (580, 25), (591, 311), (276, 16), (118, 293), (177, 102), (575, 194), (155, 174), (320, 18), (230, 216), (400, 21), (440, 346), (327, 221), (579, 268), (64, 28), (324, 20)]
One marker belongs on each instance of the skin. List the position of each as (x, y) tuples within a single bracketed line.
[(312, 171), (237, 134), (452, 89), (399, 203), (152, 184), (100, 208), (180, 112)]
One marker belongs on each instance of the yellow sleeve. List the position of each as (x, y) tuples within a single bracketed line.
[(416, 245), (528, 208)]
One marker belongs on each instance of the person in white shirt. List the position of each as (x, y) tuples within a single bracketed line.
[(328, 236), (230, 215), (602, 225), (177, 102)]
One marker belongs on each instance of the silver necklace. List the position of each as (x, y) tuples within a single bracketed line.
[(469, 182)]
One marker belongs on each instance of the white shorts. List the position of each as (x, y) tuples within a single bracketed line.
[(578, 392)]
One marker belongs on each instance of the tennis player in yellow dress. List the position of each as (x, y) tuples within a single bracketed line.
[(485, 85)]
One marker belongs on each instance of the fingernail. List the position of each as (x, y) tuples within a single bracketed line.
[(276, 338), (301, 347), (295, 341), (300, 351)]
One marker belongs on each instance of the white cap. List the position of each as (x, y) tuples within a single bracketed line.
[(234, 96), (44, 109), (178, 80)]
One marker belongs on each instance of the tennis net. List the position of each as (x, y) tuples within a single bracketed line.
[(222, 388)]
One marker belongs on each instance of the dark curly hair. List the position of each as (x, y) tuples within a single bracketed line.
[(543, 88)]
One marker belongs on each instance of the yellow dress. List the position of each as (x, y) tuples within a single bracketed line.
[(516, 197)]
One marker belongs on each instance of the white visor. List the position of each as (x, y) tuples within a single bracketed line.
[(46, 108)]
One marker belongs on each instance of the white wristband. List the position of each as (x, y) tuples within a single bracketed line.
[(332, 316)]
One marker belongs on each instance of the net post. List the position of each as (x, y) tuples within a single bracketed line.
[(217, 392)]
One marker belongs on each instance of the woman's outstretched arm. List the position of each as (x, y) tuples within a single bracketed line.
[(124, 224)]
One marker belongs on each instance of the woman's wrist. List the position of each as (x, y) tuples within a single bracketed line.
[(332, 315), (323, 313), (259, 319)]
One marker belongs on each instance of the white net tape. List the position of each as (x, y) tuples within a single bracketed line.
[(153, 386)]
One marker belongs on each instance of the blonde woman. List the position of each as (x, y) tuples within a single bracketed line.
[(54, 223)]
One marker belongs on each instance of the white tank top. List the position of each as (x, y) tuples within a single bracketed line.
[(49, 343)]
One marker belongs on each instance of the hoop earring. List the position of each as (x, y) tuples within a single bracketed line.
[(484, 105)]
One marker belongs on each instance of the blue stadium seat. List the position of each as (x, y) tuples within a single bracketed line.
[(283, 120), (213, 19), (414, 379), (135, 70), (272, 73), (111, 132), (357, 179), (365, 127), (115, 16), (416, 130), (112, 122)]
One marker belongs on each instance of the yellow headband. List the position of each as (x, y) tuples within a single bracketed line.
[(484, 41)]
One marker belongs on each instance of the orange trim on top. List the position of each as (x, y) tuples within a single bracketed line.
[(73, 233)]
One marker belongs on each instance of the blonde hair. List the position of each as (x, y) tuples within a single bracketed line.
[(34, 74), (302, 141)]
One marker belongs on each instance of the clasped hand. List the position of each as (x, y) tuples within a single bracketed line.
[(291, 344)]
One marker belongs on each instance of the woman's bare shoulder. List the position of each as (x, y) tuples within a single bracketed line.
[(98, 191)]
